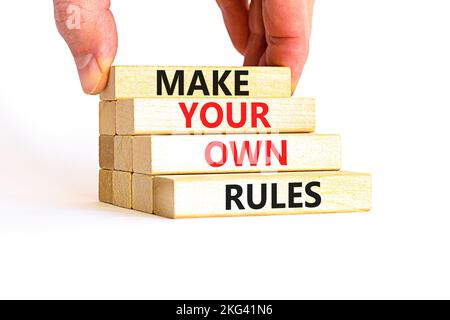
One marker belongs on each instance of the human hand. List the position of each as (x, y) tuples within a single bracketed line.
[(269, 32), (89, 29)]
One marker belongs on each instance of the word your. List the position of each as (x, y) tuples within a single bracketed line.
[(235, 193), (257, 110), (198, 83), (245, 151)]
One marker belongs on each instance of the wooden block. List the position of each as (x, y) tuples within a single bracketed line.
[(142, 193), (115, 188), (115, 153), (149, 82), (105, 186), (178, 154), (123, 150), (106, 152), (224, 195), (107, 116), (220, 115), (122, 189)]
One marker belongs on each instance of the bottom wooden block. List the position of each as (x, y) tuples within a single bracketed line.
[(142, 193), (115, 188), (219, 195), (250, 194)]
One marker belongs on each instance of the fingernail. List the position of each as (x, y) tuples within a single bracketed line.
[(93, 80)]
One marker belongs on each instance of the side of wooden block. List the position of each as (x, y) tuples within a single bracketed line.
[(220, 115), (142, 82), (122, 189), (107, 117), (116, 153), (106, 152), (143, 154), (179, 154), (142, 193), (115, 188), (105, 186), (123, 151), (191, 196)]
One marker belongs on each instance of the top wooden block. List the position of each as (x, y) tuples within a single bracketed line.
[(127, 82)]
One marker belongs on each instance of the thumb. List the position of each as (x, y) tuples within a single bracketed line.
[(89, 29)]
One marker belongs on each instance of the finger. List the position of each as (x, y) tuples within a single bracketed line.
[(288, 29), (262, 61), (257, 40), (235, 15), (89, 29)]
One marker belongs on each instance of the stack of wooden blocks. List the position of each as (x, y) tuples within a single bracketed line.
[(183, 142)]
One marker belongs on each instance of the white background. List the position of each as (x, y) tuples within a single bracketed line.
[(380, 72)]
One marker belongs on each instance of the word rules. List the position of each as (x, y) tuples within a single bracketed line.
[(261, 194)]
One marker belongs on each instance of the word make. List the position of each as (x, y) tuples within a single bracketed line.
[(127, 82), (197, 83)]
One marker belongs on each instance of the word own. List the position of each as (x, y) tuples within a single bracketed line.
[(246, 151)]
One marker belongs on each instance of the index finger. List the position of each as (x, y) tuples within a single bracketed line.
[(89, 29), (235, 16), (288, 29)]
